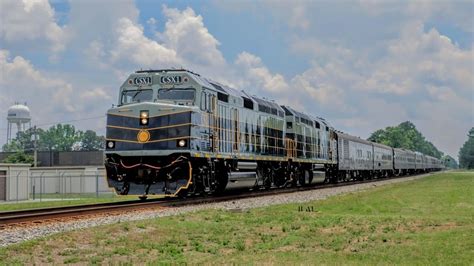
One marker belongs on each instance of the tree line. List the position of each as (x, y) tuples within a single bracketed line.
[(466, 153), (406, 136), (61, 137)]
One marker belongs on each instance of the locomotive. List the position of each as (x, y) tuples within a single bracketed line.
[(177, 133)]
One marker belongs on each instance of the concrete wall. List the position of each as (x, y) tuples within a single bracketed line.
[(17, 181), (66, 180)]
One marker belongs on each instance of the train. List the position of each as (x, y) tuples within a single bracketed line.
[(174, 132)]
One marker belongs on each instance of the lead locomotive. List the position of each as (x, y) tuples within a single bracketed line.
[(175, 132)]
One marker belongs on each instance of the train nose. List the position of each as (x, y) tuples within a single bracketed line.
[(149, 126)]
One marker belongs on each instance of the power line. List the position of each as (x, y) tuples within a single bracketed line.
[(65, 121), (70, 121)]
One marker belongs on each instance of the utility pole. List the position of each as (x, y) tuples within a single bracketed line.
[(35, 147)]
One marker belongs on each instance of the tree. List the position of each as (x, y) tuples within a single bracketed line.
[(91, 142), (466, 153), (60, 137), (13, 146), (406, 136), (19, 157), (24, 141), (449, 162), (57, 138)]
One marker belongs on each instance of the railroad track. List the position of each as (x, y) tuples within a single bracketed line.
[(38, 216)]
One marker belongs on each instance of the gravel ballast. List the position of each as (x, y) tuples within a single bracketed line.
[(16, 235)]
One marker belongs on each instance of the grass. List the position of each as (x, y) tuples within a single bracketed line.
[(56, 200), (427, 221)]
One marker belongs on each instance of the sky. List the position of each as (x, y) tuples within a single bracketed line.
[(362, 65)]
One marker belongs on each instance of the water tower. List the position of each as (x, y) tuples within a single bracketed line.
[(19, 115)]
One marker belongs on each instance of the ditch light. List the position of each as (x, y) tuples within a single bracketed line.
[(144, 118)]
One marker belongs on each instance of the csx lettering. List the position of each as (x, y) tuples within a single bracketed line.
[(170, 79), (142, 80)]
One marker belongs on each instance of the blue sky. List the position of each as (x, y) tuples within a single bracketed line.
[(362, 65)]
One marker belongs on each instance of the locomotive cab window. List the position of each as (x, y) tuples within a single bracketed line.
[(248, 103), (136, 96)]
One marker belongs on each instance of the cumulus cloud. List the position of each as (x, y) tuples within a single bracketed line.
[(457, 13), (133, 46), (421, 75), (186, 34), (184, 42), (96, 93), (50, 98), (90, 21), (324, 86), (375, 66), (418, 60), (31, 21), (257, 76), (19, 77)]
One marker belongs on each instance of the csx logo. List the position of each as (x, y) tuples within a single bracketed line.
[(140, 81), (171, 79)]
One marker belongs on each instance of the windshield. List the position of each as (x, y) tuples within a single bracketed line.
[(176, 94), (136, 96)]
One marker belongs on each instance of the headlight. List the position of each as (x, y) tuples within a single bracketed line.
[(110, 144), (182, 143), (143, 118)]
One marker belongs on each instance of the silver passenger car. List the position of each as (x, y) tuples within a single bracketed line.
[(354, 153), (383, 157), (404, 160)]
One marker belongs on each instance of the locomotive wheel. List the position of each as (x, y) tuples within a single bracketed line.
[(279, 178), (222, 177), (266, 176), (125, 189)]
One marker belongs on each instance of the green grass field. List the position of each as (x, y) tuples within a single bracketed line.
[(427, 221), (58, 200)]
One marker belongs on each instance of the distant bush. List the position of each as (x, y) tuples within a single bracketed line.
[(19, 157)]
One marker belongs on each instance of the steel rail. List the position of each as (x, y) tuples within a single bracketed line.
[(36, 215)]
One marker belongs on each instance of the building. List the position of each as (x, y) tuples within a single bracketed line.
[(14, 182)]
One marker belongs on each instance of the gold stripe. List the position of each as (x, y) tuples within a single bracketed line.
[(175, 125), (263, 158), (123, 140), (190, 180), (159, 140), (153, 128), (128, 128), (172, 113), (258, 158)]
